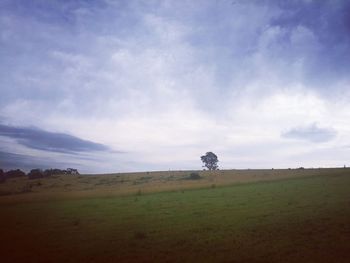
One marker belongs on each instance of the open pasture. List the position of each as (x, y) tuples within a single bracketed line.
[(300, 219), (79, 186)]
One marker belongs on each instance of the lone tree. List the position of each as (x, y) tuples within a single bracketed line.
[(210, 161)]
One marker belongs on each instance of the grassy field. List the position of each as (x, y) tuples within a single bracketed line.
[(69, 186), (269, 216)]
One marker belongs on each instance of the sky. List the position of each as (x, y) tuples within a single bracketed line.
[(117, 86)]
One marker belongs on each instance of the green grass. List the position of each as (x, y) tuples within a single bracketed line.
[(295, 220)]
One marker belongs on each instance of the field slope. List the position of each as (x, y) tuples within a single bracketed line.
[(299, 219)]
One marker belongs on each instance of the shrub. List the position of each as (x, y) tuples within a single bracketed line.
[(49, 172), (14, 173), (2, 176), (72, 171), (194, 176), (36, 174)]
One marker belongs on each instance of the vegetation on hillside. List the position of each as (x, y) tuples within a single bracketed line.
[(35, 173)]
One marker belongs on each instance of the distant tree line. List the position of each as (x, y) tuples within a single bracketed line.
[(10, 174), (35, 173)]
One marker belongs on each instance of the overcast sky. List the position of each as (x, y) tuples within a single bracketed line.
[(112, 86)]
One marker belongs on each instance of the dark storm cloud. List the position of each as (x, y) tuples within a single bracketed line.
[(49, 141), (311, 133)]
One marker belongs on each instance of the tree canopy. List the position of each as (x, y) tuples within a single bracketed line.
[(210, 161)]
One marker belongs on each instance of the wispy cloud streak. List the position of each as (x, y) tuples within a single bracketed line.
[(49, 141), (311, 133)]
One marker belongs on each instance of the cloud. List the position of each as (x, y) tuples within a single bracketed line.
[(49, 141), (167, 80), (311, 133)]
